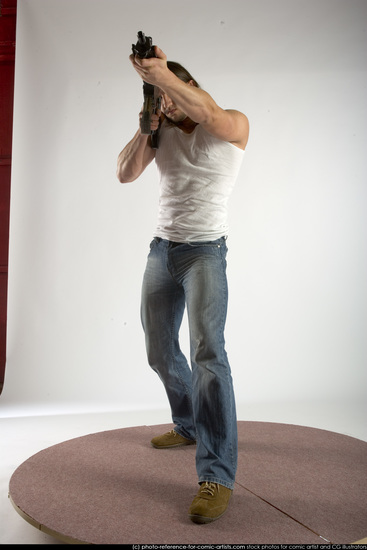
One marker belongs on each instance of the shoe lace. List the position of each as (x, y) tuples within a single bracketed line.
[(208, 488)]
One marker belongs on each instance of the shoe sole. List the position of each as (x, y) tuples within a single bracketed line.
[(172, 446), (202, 519)]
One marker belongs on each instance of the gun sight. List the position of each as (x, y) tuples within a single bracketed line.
[(144, 47)]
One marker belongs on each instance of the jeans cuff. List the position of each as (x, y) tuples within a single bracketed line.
[(211, 479)]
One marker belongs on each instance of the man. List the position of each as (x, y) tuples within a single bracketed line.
[(199, 156)]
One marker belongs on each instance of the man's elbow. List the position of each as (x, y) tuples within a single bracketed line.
[(124, 177)]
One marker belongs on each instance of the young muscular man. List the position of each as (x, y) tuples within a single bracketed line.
[(200, 152)]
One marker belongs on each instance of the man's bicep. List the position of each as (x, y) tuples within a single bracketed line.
[(230, 125)]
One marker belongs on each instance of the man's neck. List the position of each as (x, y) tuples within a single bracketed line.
[(187, 125)]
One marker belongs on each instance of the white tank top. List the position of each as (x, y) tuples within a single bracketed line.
[(197, 173)]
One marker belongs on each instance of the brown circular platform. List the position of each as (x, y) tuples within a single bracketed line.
[(294, 485)]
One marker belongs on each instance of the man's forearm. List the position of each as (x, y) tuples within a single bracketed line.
[(134, 158), (194, 102), (197, 104), (228, 125)]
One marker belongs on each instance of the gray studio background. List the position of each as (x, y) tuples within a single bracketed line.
[(296, 326)]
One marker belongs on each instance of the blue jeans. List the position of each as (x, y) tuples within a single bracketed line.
[(201, 398)]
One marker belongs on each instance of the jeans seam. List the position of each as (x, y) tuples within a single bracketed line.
[(223, 253), (174, 362)]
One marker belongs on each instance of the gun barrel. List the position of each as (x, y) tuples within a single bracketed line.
[(144, 46), (141, 37)]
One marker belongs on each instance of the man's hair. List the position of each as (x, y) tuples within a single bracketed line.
[(181, 72)]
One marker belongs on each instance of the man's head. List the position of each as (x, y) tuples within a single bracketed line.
[(169, 109), (181, 72)]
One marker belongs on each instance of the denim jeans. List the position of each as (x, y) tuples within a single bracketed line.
[(201, 397)]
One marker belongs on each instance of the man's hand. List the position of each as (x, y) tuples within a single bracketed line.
[(154, 121), (153, 70)]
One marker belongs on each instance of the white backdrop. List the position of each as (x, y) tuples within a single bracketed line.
[(78, 239)]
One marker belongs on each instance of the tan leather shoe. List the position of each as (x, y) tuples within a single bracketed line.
[(210, 503), (171, 439)]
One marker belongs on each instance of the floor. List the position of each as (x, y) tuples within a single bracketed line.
[(22, 437)]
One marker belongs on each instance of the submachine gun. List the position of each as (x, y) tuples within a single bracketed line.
[(152, 103)]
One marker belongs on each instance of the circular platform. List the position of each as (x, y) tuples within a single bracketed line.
[(294, 485)]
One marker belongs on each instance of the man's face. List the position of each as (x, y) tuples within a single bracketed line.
[(170, 110)]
